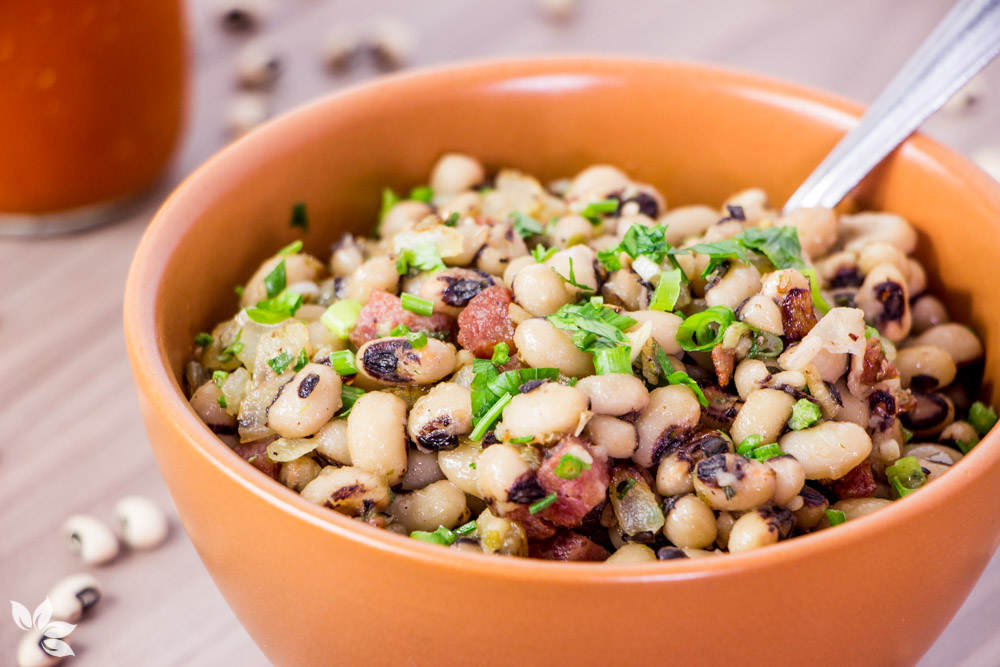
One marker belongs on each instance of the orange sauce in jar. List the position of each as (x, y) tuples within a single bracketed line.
[(91, 99)]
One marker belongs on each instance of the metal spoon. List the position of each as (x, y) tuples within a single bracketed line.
[(965, 40)]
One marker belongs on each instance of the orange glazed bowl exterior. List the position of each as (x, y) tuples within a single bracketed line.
[(313, 587)]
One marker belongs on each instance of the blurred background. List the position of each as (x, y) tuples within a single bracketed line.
[(70, 435)]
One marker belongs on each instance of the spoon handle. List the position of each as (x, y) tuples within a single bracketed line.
[(965, 40)]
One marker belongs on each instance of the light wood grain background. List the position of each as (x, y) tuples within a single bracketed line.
[(70, 434)]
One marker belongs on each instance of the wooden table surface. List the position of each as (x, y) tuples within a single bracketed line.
[(70, 435)]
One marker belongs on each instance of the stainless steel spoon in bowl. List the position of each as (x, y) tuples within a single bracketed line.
[(967, 38)]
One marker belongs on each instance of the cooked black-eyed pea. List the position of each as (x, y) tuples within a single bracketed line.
[(828, 451), (930, 415), (627, 289), (959, 431), (451, 290), (670, 409), (437, 504), (583, 260), (348, 490), (460, 467), (765, 413), (816, 227), (934, 452), (205, 402), (540, 291), (394, 361), (617, 436), (664, 331), (789, 477), (439, 417), (378, 273), (32, 653), (498, 535), (673, 475), (402, 217), (596, 182), (614, 394), (685, 222), (141, 522), (541, 345), (752, 203), (73, 596), (298, 268), (760, 312), (854, 508), (812, 509), (927, 311), (874, 254), (547, 413), (632, 553), (454, 173), (376, 435), (958, 340), (296, 474), (305, 403), (689, 522), (760, 527), (505, 478), (863, 229), (732, 483), (723, 526), (503, 245), (421, 469), (514, 267), (932, 469), (571, 230), (925, 367), (91, 539), (749, 376), (332, 442), (740, 282), (884, 297)]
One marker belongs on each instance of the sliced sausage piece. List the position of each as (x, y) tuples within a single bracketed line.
[(575, 496), (384, 312), (486, 322), (568, 546)]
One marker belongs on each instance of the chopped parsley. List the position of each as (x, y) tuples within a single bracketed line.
[(638, 240), (389, 199), (423, 256), (300, 217), (452, 219), (540, 253), (275, 281), (203, 340), (570, 467), (906, 475), (780, 245), (966, 445), (222, 402), (277, 309), (348, 396), (704, 330), (594, 211), (572, 279), (592, 325), (301, 360), (238, 290), (490, 387), (805, 413), (232, 349), (279, 363), (537, 507), (490, 418), (422, 193), (501, 354), (442, 536), (525, 225), (680, 377), (835, 517), (982, 417)]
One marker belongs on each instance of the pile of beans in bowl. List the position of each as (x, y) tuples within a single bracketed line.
[(573, 371)]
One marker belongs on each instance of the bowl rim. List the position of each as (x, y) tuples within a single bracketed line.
[(155, 380)]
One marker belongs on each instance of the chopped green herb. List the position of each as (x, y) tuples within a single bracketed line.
[(780, 245), (667, 291), (466, 528), (222, 402), (766, 452), (572, 279), (540, 253), (641, 240), (417, 339), (275, 310), (472, 465), (279, 363), (238, 290), (680, 377), (348, 395), (666, 368), (400, 330), (906, 475), (489, 385), (535, 508), (452, 219), (570, 467), (274, 282), (501, 354), (907, 434), (592, 324), (525, 225), (232, 349), (704, 330), (522, 440), (422, 193), (203, 340), (441, 536), (609, 360), (982, 417), (341, 317), (805, 413), (343, 362), (218, 377), (835, 517), (966, 445), (301, 360), (819, 303), (624, 488), (415, 304), (594, 211), (488, 419), (290, 249), (389, 199), (749, 443), (764, 345), (423, 256), (300, 218)]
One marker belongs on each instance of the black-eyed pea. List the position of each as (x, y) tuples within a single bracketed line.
[(759, 528), (378, 273), (505, 478), (884, 297), (852, 409), (739, 283), (206, 404), (596, 182), (617, 436), (460, 466), (299, 267), (672, 408), (812, 509), (394, 361), (749, 376), (440, 417), (863, 229), (930, 414), (877, 253), (732, 483), (305, 403), (723, 526), (959, 431), (828, 451), (498, 535), (348, 490), (765, 413), (546, 413), (935, 452), (541, 345), (503, 245), (91, 539), (402, 217), (673, 476), (296, 474), (918, 277), (451, 290), (465, 204), (332, 442), (664, 331), (762, 313), (752, 203), (614, 394), (437, 504), (73, 596), (789, 478), (724, 230), (625, 288), (685, 222), (582, 258), (927, 311), (514, 267), (258, 65), (33, 649), (689, 522), (376, 435), (816, 228), (141, 522), (540, 291), (933, 469), (855, 508), (571, 230), (421, 469), (392, 42), (632, 553), (346, 256), (778, 284), (830, 366), (925, 367), (455, 172), (958, 340)]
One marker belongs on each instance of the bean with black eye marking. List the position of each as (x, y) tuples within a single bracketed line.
[(927, 312), (305, 403), (863, 229), (759, 528), (460, 466), (884, 297), (439, 417), (689, 522), (437, 504), (763, 313), (672, 408), (421, 469), (632, 553), (505, 479), (789, 478), (732, 483), (503, 245), (812, 510), (925, 367), (749, 376), (614, 394), (451, 290), (596, 182), (617, 436), (540, 291), (765, 413), (739, 283), (627, 289), (394, 361), (348, 490), (541, 345), (74, 596), (332, 439), (299, 267), (376, 435), (546, 413), (673, 475), (854, 508), (205, 402)]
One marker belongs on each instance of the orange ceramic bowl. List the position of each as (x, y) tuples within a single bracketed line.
[(314, 587)]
